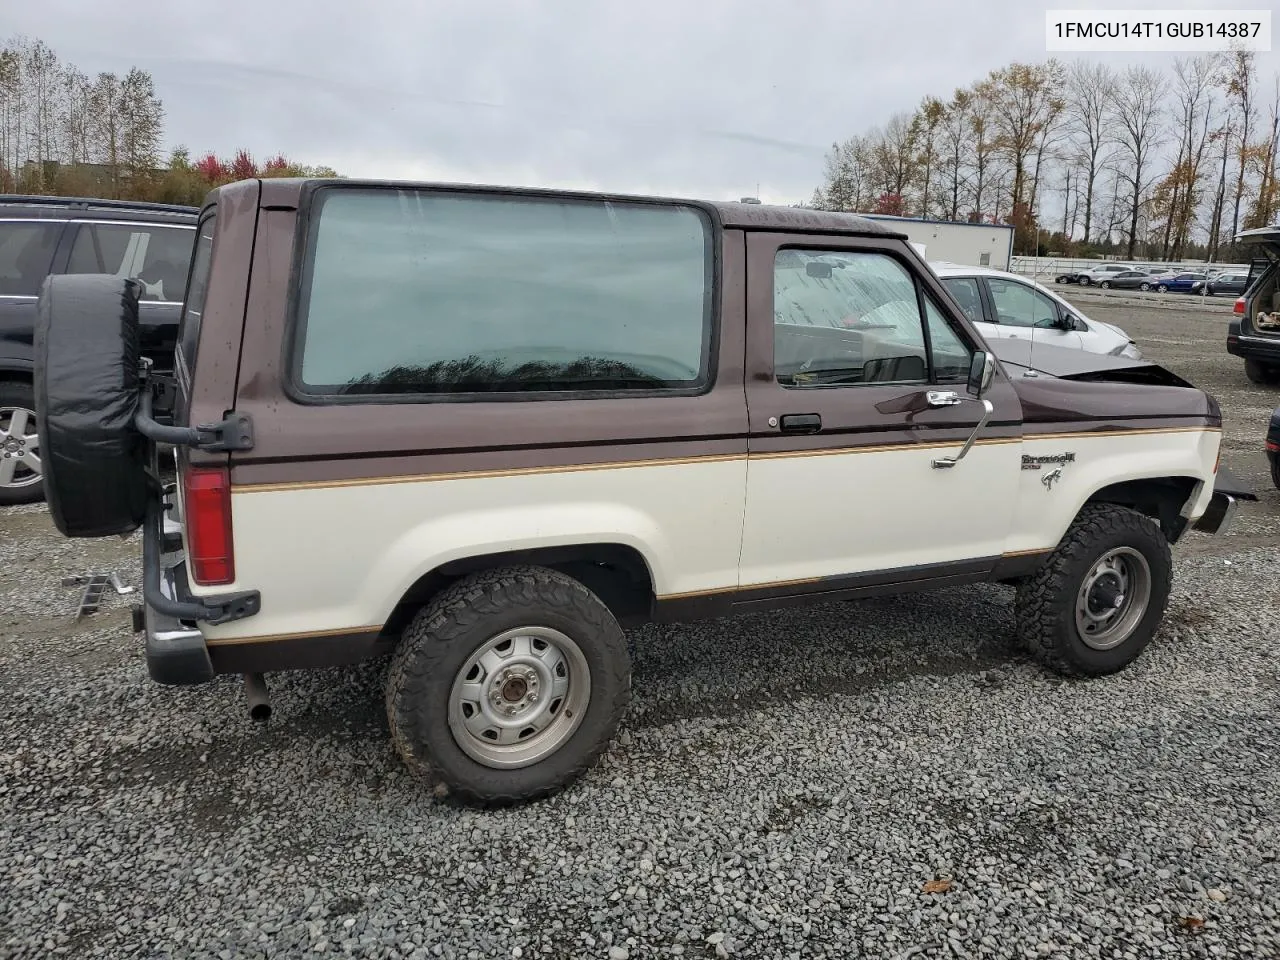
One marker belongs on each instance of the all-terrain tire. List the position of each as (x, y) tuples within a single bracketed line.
[(1259, 373), (440, 640), (24, 485), (1045, 608), (1275, 472)]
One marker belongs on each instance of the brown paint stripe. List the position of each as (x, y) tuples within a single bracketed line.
[(306, 635)]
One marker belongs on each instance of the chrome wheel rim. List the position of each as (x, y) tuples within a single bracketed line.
[(1113, 598), (20, 464), (519, 697)]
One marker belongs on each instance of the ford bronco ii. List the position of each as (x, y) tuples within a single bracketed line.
[(484, 429)]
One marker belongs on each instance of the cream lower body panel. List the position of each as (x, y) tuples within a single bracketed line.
[(328, 557), (1045, 510)]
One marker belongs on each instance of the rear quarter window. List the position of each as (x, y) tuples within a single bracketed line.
[(428, 294), (197, 288), (26, 255)]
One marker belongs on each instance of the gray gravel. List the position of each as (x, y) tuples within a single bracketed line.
[(786, 785)]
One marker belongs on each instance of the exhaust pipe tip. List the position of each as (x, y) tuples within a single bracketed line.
[(255, 691)]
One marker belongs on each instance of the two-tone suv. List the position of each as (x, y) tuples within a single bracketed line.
[(44, 235), (485, 429)]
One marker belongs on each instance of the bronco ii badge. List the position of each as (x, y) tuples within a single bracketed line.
[(1052, 475), (1035, 463)]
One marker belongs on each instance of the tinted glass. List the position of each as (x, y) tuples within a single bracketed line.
[(965, 292), (418, 292), (846, 318), (158, 256), (26, 254), (193, 309)]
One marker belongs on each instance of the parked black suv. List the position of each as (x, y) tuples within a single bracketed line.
[(44, 235)]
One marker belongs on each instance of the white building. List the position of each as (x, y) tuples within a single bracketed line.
[(970, 244)]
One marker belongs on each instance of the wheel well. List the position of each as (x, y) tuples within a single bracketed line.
[(1160, 498), (617, 574)]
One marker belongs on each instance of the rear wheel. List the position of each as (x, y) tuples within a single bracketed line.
[(1084, 281), (1094, 605), (1275, 471), (1260, 373), (1105, 284), (508, 686), (21, 472), (1144, 286)]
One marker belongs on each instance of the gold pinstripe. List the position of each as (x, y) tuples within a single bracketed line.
[(246, 488)]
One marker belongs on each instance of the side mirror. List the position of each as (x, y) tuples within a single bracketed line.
[(982, 370)]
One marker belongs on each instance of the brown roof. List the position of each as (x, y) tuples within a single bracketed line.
[(755, 216)]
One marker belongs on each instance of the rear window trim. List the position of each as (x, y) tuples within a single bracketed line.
[(307, 226)]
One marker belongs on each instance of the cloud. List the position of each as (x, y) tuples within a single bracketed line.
[(686, 97)]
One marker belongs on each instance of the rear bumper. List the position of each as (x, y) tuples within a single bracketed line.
[(1266, 349), (175, 648)]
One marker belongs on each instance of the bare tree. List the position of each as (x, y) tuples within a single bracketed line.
[(1090, 110), (1238, 80), (926, 133), (1139, 133), (957, 138), (1179, 193), (141, 125), (893, 156), (985, 145), (1265, 156)]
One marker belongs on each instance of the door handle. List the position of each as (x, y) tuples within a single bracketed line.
[(943, 398), (801, 423)]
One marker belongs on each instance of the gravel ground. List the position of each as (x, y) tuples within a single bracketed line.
[(888, 778)]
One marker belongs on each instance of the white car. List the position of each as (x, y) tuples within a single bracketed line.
[(1005, 306)]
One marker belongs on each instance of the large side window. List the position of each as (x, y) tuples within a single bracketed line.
[(844, 318), (418, 292), (193, 308), (1020, 305), (157, 255), (26, 254)]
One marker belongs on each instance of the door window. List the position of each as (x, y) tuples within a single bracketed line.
[(966, 293), (1020, 305), (26, 254), (157, 255), (847, 318)]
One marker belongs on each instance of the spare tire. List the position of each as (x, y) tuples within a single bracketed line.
[(86, 395)]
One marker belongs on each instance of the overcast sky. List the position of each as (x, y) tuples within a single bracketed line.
[(704, 98)]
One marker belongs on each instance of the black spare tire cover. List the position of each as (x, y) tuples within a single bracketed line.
[(86, 394)]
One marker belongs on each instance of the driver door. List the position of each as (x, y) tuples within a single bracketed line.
[(845, 343)]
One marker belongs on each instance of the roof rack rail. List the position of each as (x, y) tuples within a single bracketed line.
[(89, 203)]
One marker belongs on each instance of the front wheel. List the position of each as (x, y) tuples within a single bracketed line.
[(1084, 281), (1096, 602), (21, 472), (508, 686)]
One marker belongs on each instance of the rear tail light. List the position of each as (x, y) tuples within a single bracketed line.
[(1238, 306), (1273, 446), (207, 513)]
